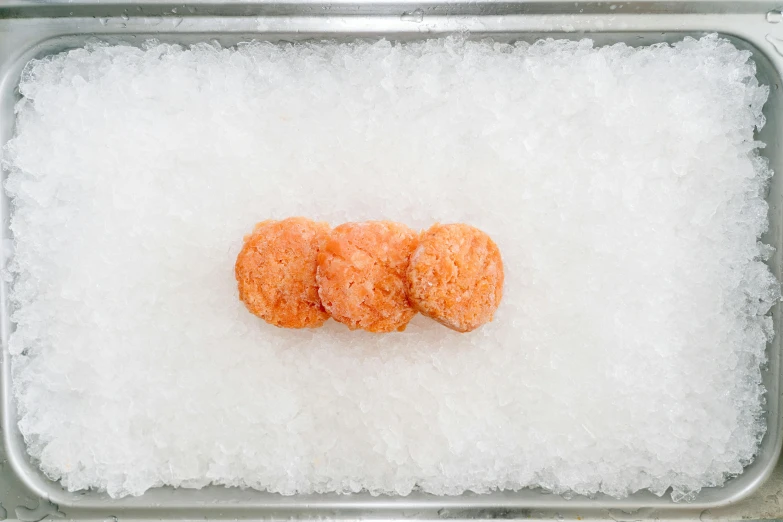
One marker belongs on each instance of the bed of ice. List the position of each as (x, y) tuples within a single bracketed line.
[(623, 186)]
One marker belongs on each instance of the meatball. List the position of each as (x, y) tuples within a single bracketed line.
[(275, 272), (455, 276), (361, 275)]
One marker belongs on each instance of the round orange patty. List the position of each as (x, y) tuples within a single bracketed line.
[(276, 269), (455, 276), (361, 275)]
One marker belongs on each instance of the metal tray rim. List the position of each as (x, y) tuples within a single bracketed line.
[(43, 488)]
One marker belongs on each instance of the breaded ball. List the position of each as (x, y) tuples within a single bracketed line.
[(455, 276), (361, 275), (275, 272)]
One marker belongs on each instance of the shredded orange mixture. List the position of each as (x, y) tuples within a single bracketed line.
[(276, 269), (455, 276), (361, 275)]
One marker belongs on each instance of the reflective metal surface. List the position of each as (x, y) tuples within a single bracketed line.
[(30, 29)]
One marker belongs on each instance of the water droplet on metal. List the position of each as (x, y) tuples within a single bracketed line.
[(174, 10), (42, 510), (110, 519), (416, 16), (124, 16), (774, 17), (103, 21), (776, 42)]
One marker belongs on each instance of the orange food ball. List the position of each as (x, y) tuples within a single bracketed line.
[(455, 276), (276, 269), (361, 275)]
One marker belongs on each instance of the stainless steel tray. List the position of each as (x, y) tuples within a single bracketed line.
[(29, 29)]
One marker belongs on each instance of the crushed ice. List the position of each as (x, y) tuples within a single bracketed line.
[(622, 184)]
